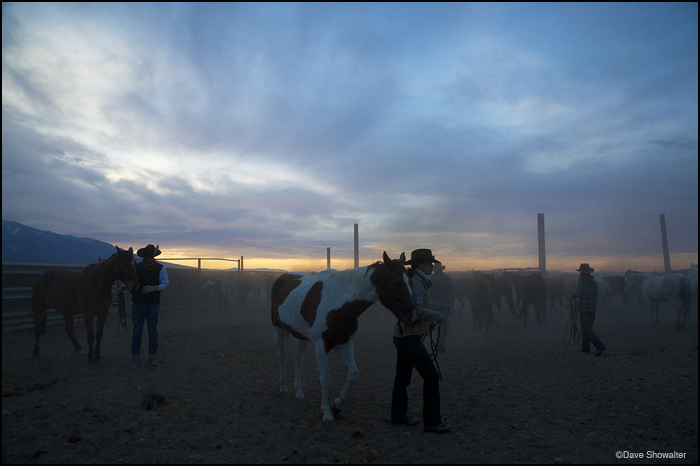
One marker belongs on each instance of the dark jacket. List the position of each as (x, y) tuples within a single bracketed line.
[(147, 276)]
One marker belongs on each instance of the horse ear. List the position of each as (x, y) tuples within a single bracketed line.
[(387, 261), (131, 250), (117, 248), (402, 259)]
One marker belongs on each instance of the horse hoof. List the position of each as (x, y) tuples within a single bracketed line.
[(334, 411)]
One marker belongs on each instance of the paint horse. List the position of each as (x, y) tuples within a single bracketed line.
[(323, 309), (672, 287), (87, 292)]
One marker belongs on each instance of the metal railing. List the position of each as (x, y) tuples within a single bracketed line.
[(20, 296)]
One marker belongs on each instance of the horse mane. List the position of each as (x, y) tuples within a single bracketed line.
[(351, 276)]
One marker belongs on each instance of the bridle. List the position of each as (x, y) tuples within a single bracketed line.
[(391, 303)]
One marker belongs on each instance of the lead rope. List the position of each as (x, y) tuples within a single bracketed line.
[(433, 348), (571, 327)]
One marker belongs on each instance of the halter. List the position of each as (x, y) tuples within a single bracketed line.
[(388, 301)]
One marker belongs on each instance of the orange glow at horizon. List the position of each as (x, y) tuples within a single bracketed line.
[(454, 264)]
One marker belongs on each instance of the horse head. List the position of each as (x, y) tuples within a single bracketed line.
[(124, 269), (390, 279)]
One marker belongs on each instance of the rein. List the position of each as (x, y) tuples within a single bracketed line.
[(122, 304), (571, 327), (433, 347)]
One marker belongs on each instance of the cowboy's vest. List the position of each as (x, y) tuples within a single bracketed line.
[(147, 276), (421, 328)]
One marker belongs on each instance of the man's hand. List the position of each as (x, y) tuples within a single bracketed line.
[(149, 289)]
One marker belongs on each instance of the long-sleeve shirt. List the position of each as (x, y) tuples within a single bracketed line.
[(587, 293), (421, 299)]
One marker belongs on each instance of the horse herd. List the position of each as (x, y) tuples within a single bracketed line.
[(323, 308), (486, 291)]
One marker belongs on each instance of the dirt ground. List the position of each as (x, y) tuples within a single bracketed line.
[(512, 396)]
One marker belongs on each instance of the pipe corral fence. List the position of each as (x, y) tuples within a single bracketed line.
[(185, 288)]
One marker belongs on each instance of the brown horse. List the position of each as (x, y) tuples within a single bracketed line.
[(503, 288), (462, 286), (559, 288), (87, 292), (480, 292), (531, 289)]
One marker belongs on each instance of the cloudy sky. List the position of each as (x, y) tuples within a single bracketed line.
[(268, 130)]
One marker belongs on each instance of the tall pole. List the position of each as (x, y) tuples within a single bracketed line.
[(328, 258), (664, 241), (540, 243), (357, 248)]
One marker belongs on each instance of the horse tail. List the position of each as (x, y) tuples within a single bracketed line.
[(39, 305)]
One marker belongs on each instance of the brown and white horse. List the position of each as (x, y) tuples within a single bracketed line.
[(324, 308)]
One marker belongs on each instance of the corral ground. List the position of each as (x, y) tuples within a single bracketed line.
[(513, 395)]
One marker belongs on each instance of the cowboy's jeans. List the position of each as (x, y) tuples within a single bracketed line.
[(587, 335), (139, 313), (411, 353)]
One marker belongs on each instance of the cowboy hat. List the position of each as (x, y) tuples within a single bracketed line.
[(148, 251), (585, 268), (421, 255)]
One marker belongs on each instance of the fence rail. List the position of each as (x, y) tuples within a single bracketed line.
[(17, 284)]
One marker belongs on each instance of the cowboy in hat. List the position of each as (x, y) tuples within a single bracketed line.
[(411, 353), (146, 304), (587, 295)]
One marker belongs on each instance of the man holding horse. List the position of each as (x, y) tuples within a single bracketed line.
[(411, 353), (153, 280), (587, 295)]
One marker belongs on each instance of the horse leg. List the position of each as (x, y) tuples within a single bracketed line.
[(298, 360), (347, 355), (281, 337), (39, 326), (101, 319), (655, 317), (71, 334), (90, 337), (325, 379)]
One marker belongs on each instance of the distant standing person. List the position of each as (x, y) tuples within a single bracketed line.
[(442, 295), (411, 353), (146, 304), (587, 295), (221, 285)]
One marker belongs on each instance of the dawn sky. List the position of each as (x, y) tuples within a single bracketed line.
[(268, 130)]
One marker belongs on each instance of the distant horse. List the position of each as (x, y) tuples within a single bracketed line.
[(615, 287), (480, 293), (531, 289), (693, 278), (87, 292), (324, 308), (462, 286), (217, 288), (559, 287), (502, 287), (673, 287)]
